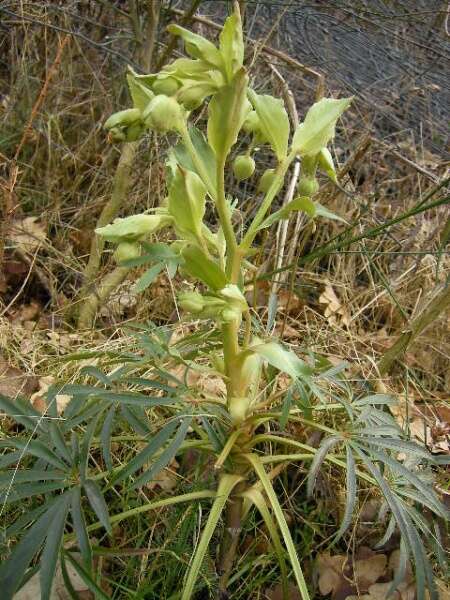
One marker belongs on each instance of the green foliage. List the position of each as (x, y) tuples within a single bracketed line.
[(67, 476)]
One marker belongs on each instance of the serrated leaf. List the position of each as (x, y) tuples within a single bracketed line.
[(319, 126), (227, 112), (166, 456), (274, 122), (198, 265), (376, 399), (49, 558), (97, 502), (79, 527)]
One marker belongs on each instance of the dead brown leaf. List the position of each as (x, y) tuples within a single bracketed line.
[(27, 234), (334, 312), (13, 382)]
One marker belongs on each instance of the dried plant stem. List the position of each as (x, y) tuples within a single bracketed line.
[(98, 296), (438, 305)]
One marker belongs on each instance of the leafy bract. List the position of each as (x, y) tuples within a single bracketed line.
[(187, 196), (282, 359), (232, 44), (227, 112), (198, 46), (198, 265), (273, 122), (140, 94), (319, 126), (131, 228), (303, 203)]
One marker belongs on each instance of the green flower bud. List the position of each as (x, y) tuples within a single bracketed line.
[(308, 187), (266, 180), (127, 251), (243, 167), (134, 132), (192, 97), (123, 117), (163, 114), (118, 134), (192, 302), (165, 85)]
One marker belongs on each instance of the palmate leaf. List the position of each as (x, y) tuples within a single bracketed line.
[(22, 412), (409, 534), (145, 455), (28, 490), (12, 570), (166, 456)]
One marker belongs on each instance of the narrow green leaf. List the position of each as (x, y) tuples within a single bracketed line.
[(302, 203), (97, 501), (99, 594), (145, 455), (12, 569), (28, 490), (85, 447), (27, 475), (35, 448), (351, 492), (166, 456), (79, 527), (15, 411), (274, 122), (319, 457), (258, 500), (226, 484), (49, 558), (279, 515), (105, 437), (321, 211), (59, 442), (148, 278)]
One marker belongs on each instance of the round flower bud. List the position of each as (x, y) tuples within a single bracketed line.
[(266, 180), (127, 251), (191, 97), (165, 85), (123, 117), (163, 114), (251, 123), (243, 167), (308, 187)]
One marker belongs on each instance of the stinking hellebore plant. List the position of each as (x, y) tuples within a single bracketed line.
[(247, 431)]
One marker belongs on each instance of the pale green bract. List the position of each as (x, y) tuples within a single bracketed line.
[(319, 125), (132, 228)]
